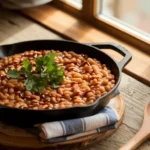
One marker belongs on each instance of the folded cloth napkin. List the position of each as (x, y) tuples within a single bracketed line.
[(60, 131)]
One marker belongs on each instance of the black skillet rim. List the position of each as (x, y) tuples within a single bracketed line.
[(94, 103)]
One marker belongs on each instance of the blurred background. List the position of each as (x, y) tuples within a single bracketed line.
[(131, 13), (134, 14)]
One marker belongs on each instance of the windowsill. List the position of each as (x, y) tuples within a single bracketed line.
[(76, 29)]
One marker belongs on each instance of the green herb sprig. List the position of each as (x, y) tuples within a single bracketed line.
[(46, 73)]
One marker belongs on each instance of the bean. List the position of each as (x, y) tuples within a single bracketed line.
[(6, 61), (90, 102), (77, 75), (78, 61), (62, 106), (60, 60), (4, 82), (102, 89), (2, 73), (41, 102), (68, 92), (2, 96), (28, 102), (73, 60), (11, 90), (91, 98), (93, 82), (84, 99), (66, 60), (76, 91), (77, 79), (98, 95), (73, 54), (2, 103), (79, 104), (78, 101), (85, 77), (91, 61), (48, 99), (28, 93), (105, 73), (35, 108), (105, 81), (53, 99), (89, 94), (97, 92), (68, 85), (53, 93), (35, 97), (6, 94), (45, 106), (35, 101), (107, 87), (67, 106), (67, 96), (10, 85), (95, 69), (9, 104), (12, 81), (17, 105), (112, 81), (6, 101), (56, 106), (19, 99)]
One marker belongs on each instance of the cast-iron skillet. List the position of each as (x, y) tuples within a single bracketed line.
[(27, 118)]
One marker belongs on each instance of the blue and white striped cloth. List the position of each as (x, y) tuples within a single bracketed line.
[(60, 131)]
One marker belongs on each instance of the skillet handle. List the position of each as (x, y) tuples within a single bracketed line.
[(118, 48)]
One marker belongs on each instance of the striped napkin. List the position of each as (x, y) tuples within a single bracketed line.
[(60, 131)]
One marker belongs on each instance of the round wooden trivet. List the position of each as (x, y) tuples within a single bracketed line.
[(12, 138)]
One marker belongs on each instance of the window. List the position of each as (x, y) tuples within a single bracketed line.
[(133, 16), (127, 20), (76, 3)]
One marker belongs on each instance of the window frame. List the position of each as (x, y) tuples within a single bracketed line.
[(88, 12)]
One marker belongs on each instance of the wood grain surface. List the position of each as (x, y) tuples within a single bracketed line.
[(14, 28)]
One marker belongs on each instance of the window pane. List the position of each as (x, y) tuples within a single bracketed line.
[(76, 3), (134, 13)]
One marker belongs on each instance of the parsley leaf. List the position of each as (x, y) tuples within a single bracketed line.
[(29, 83), (12, 73), (35, 83), (49, 59), (39, 64), (54, 85), (27, 65), (46, 73)]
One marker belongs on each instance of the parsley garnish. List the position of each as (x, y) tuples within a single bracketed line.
[(12, 73), (46, 72)]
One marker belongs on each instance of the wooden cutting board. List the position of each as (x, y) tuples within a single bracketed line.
[(12, 138)]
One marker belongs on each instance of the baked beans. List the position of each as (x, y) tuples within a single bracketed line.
[(85, 80)]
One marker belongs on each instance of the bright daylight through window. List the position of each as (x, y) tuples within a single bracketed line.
[(76, 3), (133, 15)]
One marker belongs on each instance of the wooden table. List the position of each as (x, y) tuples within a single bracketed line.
[(15, 28)]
